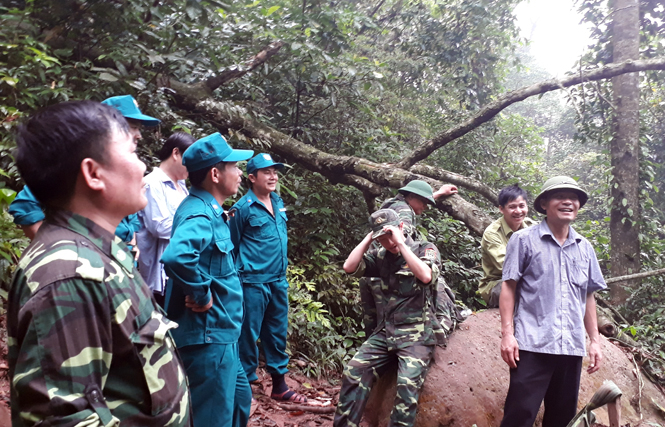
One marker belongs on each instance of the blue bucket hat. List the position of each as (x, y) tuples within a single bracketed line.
[(211, 150), (260, 161), (129, 109)]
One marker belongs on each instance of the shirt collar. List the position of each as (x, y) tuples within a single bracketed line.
[(208, 199), (544, 230), (164, 177), (507, 231), (251, 197), (110, 244)]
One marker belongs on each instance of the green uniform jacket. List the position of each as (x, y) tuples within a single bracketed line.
[(87, 343), (493, 252), (259, 239), (199, 263), (406, 308)]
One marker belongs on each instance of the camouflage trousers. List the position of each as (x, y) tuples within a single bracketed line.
[(371, 361), (370, 292)]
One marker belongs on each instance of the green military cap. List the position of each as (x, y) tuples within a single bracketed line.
[(382, 218), (129, 109), (260, 161), (211, 150), (420, 188), (560, 183)]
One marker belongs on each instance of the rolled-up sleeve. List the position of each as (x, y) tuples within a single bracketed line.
[(513, 264), (596, 280)]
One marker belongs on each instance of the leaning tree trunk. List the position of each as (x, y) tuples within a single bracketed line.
[(624, 151)]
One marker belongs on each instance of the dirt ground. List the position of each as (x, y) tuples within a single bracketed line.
[(268, 412)]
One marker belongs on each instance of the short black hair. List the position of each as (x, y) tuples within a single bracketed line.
[(510, 193), (196, 178), (179, 140), (53, 142)]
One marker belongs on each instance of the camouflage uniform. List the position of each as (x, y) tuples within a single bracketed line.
[(87, 344), (446, 312), (407, 333)]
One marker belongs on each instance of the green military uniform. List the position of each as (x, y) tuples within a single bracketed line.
[(87, 343), (493, 251), (407, 332), (446, 311)]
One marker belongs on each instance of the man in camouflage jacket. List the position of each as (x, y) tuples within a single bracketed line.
[(87, 343), (407, 329), (412, 200)]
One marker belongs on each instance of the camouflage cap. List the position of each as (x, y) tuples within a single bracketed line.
[(382, 218)]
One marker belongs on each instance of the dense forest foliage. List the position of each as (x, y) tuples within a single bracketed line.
[(345, 92)]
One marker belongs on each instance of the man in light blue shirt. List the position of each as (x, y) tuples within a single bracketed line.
[(164, 188), (549, 276)]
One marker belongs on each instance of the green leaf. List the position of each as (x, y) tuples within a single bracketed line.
[(272, 10), (108, 77), (624, 202)]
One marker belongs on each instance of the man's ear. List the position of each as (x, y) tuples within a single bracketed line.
[(91, 174), (543, 203), (252, 178), (215, 175)]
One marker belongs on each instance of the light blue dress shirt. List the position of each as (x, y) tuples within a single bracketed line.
[(553, 282), (157, 219)]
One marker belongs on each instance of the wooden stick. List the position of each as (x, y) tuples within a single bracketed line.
[(614, 412), (308, 408), (635, 276)]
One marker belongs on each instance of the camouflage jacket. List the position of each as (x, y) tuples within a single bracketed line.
[(405, 306), (406, 214), (87, 343)]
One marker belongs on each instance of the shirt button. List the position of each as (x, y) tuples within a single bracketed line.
[(208, 339), (95, 396)]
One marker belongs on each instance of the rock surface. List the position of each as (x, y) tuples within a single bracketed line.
[(468, 383)]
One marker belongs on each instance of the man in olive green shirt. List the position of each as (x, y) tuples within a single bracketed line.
[(513, 206)]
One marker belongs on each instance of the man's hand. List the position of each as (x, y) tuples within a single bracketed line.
[(445, 190), (395, 232), (189, 303), (595, 357), (510, 350)]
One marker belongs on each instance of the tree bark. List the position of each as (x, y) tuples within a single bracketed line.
[(492, 109), (624, 152)]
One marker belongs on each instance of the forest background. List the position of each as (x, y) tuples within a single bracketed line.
[(359, 97)]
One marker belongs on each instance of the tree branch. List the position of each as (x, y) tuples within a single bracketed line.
[(361, 173), (489, 111), (234, 73), (457, 179)]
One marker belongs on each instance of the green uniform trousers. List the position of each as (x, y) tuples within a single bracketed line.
[(372, 360), (221, 395), (266, 317)]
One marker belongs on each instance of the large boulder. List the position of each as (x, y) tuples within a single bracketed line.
[(468, 382)]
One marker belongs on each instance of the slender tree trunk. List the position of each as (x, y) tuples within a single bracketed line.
[(624, 151)]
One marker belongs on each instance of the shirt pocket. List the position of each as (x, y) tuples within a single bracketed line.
[(221, 261), (282, 223), (259, 226), (162, 370), (579, 272)]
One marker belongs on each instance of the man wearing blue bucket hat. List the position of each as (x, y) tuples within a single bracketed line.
[(258, 231), (27, 211), (204, 294)]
